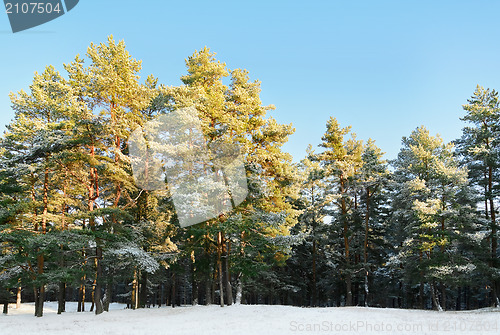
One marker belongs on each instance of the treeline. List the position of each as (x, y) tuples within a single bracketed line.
[(342, 227), (74, 224), (417, 232)]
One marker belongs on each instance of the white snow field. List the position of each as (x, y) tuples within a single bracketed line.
[(248, 319)]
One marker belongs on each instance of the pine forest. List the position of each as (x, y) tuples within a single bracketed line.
[(342, 226)]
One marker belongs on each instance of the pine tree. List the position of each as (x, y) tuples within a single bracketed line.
[(342, 161), (234, 115), (108, 87), (427, 206), (313, 216), (37, 133), (479, 147), (373, 180)]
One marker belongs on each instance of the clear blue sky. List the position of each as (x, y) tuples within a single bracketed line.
[(384, 67)]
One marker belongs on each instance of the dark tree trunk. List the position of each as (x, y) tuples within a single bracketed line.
[(144, 290), (39, 300), (92, 298), (81, 300), (365, 244), (314, 301), (219, 268), (443, 296), (356, 293), (40, 290), (173, 292), (79, 308), (208, 292), (162, 295), (348, 280), (227, 277), (61, 298), (195, 284), (108, 294), (466, 298), (494, 242), (98, 288), (348, 285), (314, 279), (421, 296)]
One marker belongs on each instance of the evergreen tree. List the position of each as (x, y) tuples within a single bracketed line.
[(479, 147), (342, 161), (427, 206), (32, 142), (234, 115), (372, 182)]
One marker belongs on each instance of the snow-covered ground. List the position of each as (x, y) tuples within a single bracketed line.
[(248, 319)]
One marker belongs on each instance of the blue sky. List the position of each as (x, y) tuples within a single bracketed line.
[(384, 67)]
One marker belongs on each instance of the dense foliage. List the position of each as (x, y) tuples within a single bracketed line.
[(342, 227)]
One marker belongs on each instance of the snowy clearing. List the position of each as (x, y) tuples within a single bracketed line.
[(248, 319)]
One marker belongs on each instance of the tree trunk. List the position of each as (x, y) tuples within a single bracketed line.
[(195, 284), (18, 297), (162, 295), (494, 242), (366, 289), (144, 290), (35, 295), (61, 298), (173, 292), (435, 298), (421, 295), (348, 283), (239, 290), (81, 295), (61, 293), (92, 298), (229, 288), (219, 268), (84, 293), (313, 283), (365, 244), (208, 291), (39, 300), (133, 294), (239, 287), (108, 294), (40, 290), (97, 291), (443, 296), (467, 297), (98, 276), (314, 302), (348, 280), (79, 308)]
